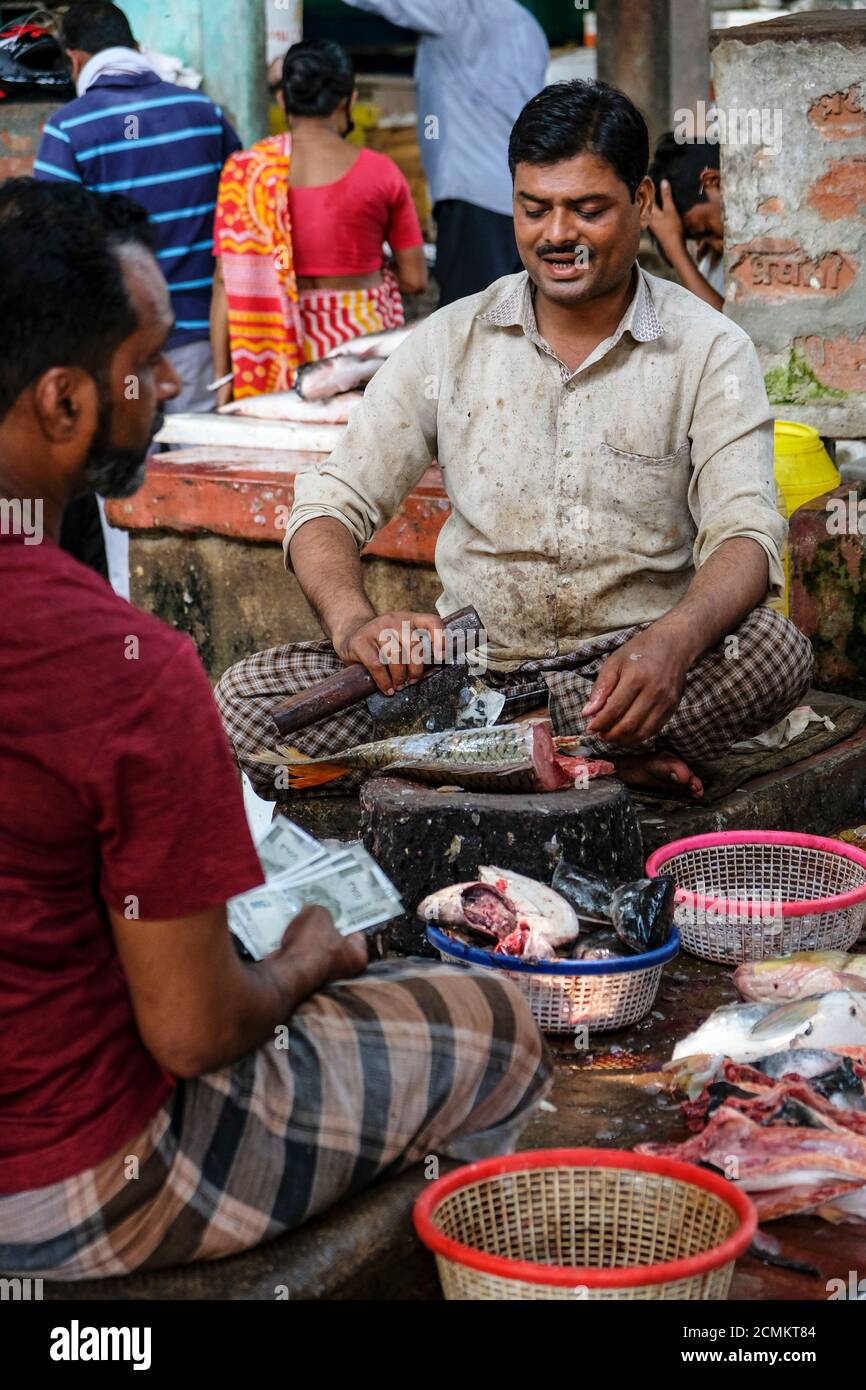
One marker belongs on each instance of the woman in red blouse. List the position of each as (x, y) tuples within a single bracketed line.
[(301, 228)]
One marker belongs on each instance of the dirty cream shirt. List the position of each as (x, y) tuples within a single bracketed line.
[(582, 502)]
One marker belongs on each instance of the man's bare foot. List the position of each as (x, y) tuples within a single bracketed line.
[(658, 772)]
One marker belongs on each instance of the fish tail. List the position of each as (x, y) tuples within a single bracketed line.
[(312, 774)]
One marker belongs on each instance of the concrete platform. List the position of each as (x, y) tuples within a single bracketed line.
[(818, 796)]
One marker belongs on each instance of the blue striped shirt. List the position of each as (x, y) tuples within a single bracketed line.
[(165, 146)]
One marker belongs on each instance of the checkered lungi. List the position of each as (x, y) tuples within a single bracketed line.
[(413, 1060), (738, 689)]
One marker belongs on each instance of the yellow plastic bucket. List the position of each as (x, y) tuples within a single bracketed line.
[(802, 465), (803, 470)]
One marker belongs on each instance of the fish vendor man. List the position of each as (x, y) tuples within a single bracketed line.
[(607, 447)]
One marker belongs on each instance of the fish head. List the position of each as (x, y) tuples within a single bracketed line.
[(535, 900), (480, 908)]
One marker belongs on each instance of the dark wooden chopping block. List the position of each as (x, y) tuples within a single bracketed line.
[(426, 839)]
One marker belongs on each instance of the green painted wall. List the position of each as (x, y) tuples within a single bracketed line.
[(225, 40)]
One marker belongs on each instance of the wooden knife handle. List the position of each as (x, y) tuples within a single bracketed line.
[(347, 688), (331, 696)]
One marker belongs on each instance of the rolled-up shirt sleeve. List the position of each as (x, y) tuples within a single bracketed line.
[(389, 444), (732, 490)]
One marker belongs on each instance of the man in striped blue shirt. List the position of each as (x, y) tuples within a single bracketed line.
[(130, 132)]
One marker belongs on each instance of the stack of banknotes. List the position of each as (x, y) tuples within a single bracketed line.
[(299, 871)]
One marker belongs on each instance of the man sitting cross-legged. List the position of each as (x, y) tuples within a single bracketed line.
[(607, 448), (160, 1101)]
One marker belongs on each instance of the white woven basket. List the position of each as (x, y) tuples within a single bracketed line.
[(564, 995), (754, 895)]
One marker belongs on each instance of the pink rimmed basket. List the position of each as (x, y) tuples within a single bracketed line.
[(587, 1224), (757, 894)]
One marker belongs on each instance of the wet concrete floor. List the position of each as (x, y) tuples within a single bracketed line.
[(607, 1098)]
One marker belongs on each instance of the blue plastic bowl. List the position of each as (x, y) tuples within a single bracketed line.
[(474, 955)]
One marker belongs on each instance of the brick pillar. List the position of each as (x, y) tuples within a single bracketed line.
[(792, 95), (20, 132)]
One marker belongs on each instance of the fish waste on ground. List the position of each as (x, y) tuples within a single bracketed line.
[(506, 912), (785, 1169), (799, 975), (288, 405), (791, 1100), (505, 758), (692, 1074), (333, 376)]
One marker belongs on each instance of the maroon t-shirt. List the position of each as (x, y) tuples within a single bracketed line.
[(116, 786)]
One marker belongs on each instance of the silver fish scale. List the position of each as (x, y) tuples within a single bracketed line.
[(502, 744), (507, 743)]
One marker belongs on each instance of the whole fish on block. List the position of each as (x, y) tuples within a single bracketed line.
[(505, 912), (745, 1032), (381, 345), (288, 405), (333, 376), (785, 1169), (503, 758), (799, 975)]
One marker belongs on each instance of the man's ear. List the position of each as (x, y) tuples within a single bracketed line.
[(711, 179), (644, 198), (66, 404), (78, 60)]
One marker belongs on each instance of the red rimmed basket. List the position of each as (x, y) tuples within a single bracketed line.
[(587, 1224), (756, 894)]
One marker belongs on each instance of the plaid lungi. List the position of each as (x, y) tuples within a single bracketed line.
[(741, 687), (415, 1059)]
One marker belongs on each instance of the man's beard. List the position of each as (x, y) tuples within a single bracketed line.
[(111, 471)]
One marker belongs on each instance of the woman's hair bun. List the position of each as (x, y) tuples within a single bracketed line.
[(317, 75)]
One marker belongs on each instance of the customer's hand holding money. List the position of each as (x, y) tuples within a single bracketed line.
[(313, 946), (300, 872)]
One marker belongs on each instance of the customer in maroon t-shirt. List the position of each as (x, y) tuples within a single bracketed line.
[(160, 1101)]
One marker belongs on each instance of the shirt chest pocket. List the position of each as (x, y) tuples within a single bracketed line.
[(649, 493), (654, 461)]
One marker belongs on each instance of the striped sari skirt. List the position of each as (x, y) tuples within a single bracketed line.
[(332, 317)]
